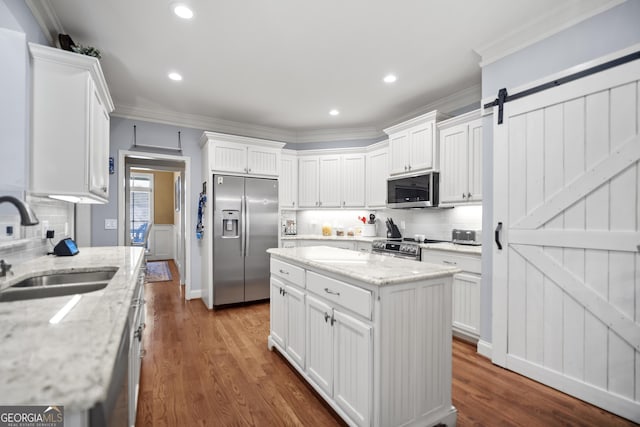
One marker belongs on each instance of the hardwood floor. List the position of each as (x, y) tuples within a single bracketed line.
[(213, 368)]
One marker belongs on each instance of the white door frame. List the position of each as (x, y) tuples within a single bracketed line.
[(122, 155)]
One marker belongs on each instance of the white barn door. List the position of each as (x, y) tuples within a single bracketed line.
[(566, 291)]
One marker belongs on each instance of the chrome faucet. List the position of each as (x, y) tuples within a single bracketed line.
[(27, 216), (4, 268)]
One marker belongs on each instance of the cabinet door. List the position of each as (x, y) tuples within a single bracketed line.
[(288, 181), (377, 175), (398, 153), (288, 244), (229, 157), (330, 181), (454, 171), (353, 355), (278, 313), (308, 182), (98, 145), (466, 303), (338, 244), (421, 147), (295, 324), (262, 161), (320, 344), (475, 161), (353, 179)]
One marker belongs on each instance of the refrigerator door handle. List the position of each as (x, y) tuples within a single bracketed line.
[(243, 250), (247, 235)]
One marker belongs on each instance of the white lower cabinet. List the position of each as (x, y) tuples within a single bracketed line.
[(465, 290), (352, 374), (288, 319), (347, 325)]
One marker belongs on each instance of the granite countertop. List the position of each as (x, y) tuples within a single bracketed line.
[(380, 270), (453, 247), (320, 237), (69, 363)]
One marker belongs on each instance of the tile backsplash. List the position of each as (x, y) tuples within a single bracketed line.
[(27, 242), (433, 223)]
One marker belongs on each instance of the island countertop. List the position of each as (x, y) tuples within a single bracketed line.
[(379, 270), (69, 363)]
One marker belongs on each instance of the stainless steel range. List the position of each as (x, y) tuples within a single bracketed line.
[(396, 247)]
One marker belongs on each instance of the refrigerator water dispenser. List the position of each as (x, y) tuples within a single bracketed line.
[(230, 221)]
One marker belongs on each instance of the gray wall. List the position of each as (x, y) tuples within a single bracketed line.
[(612, 30), (160, 135)]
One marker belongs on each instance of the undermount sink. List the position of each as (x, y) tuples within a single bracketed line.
[(58, 284)]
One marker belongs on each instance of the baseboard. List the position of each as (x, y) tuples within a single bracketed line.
[(485, 349), (195, 294)]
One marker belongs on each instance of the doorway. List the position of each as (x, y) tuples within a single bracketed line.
[(153, 211)]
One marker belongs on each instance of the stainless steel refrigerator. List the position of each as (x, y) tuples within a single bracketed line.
[(245, 225)]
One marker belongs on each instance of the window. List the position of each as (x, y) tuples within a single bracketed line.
[(141, 205)]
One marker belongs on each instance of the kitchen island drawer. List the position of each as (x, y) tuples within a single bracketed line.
[(288, 272), (351, 297)]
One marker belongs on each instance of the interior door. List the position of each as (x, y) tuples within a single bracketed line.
[(567, 280)]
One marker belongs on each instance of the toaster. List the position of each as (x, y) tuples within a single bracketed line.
[(466, 237)]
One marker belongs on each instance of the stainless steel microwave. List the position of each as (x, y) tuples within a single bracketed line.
[(418, 191)]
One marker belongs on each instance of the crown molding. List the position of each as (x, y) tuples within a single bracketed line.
[(462, 118), (451, 102), (47, 19), (204, 123), (446, 104), (566, 15)]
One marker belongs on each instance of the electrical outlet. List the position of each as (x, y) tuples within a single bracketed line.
[(45, 227)]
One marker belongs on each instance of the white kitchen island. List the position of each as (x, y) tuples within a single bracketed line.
[(371, 333)]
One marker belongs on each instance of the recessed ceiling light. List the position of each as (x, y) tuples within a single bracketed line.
[(390, 78), (175, 77), (182, 10), (334, 112)]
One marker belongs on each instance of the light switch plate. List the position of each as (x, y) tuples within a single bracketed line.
[(45, 227), (110, 224)]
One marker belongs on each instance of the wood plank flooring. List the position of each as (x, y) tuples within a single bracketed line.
[(213, 368)]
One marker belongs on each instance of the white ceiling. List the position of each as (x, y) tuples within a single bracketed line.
[(281, 65)]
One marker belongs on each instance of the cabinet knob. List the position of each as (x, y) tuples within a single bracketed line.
[(326, 317), (464, 196), (249, 169), (293, 203), (245, 169), (409, 167), (320, 203), (405, 167), (104, 189), (468, 195)]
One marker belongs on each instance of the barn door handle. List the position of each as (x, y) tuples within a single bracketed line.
[(497, 236)]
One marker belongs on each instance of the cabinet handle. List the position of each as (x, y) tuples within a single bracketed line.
[(329, 291), (104, 189), (138, 333), (497, 236), (326, 317), (333, 319), (468, 195), (409, 167), (464, 196), (449, 262), (143, 353), (405, 167), (320, 203), (293, 203), (284, 272)]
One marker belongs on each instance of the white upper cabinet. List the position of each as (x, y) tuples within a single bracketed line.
[(461, 159), (308, 182), (288, 181), (377, 167), (242, 155), (412, 144), (331, 180), (353, 180), (70, 126)]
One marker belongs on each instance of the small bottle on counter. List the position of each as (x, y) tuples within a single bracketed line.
[(326, 229), (340, 231)]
